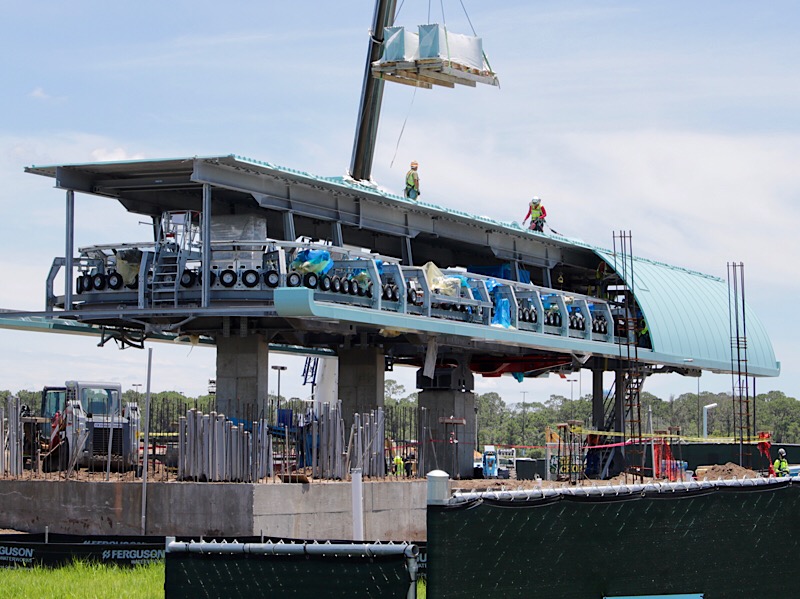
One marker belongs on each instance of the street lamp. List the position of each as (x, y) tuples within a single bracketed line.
[(705, 418), (279, 369), (524, 393), (136, 387), (571, 396)]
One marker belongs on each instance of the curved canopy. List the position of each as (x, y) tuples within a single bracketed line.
[(688, 315)]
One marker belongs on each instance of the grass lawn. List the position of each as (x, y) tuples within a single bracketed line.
[(83, 581)]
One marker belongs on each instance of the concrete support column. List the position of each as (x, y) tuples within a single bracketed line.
[(437, 449), (242, 371), (361, 381)]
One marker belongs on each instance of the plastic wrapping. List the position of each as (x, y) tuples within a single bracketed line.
[(128, 262), (436, 42), (439, 283), (399, 45), (502, 313), (238, 227), (316, 261)]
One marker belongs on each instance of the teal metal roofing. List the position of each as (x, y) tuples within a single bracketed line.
[(687, 314)]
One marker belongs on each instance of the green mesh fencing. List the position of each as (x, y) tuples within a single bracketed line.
[(195, 575), (723, 542)]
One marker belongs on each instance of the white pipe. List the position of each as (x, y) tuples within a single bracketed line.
[(705, 418), (358, 504), (146, 441)]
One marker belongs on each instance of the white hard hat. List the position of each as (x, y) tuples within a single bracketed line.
[(536, 200), (781, 452)]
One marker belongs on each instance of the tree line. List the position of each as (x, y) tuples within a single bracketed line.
[(525, 423)]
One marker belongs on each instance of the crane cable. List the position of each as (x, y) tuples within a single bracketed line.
[(403, 128)]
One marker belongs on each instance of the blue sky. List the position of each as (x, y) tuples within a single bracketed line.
[(677, 121)]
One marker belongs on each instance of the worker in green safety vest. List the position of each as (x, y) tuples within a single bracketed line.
[(398, 465), (781, 465), (537, 214), (412, 182)]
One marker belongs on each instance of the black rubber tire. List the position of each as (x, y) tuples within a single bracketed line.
[(394, 293), (311, 280), (250, 278), (336, 284), (212, 278), (369, 290), (385, 294), (79, 285), (355, 288), (114, 280), (534, 315), (99, 281), (293, 279), (87, 282), (188, 278), (135, 283), (412, 296), (272, 278), (324, 283), (228, 277), (345, 286)]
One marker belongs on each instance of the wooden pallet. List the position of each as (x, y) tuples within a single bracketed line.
[(426, 73)]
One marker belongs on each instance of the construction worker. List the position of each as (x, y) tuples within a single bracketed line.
[(781, 466), (412, 182), (398, 465), (537, 214)]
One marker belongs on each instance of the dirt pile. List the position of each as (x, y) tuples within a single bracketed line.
[(724, 471)]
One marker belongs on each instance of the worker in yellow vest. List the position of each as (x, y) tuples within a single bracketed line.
[(398, 465), (412, 182), (537, 214), (781, 465)]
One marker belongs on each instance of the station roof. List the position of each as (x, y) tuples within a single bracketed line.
[(687, 312)]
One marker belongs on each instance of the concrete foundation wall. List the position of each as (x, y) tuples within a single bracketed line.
[(392, 510)]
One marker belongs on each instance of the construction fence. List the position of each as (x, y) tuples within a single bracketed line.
[(190, 440)]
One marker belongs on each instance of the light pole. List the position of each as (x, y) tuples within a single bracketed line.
[(524, 393), (705, 418), (571, 396), (136, 387), (280, 369)]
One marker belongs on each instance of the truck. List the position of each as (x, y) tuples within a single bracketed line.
[(87, 425)]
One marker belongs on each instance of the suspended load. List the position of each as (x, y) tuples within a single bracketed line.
[(433, 56)]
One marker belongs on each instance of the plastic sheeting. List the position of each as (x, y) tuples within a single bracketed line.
[(436, 42), (439, 283), (399, 45), (316, 261), (432, 42)]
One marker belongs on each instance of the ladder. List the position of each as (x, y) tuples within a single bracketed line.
[(165, 279), (177, 243)]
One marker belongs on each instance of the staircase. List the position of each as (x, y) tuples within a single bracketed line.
[(165, 281)]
